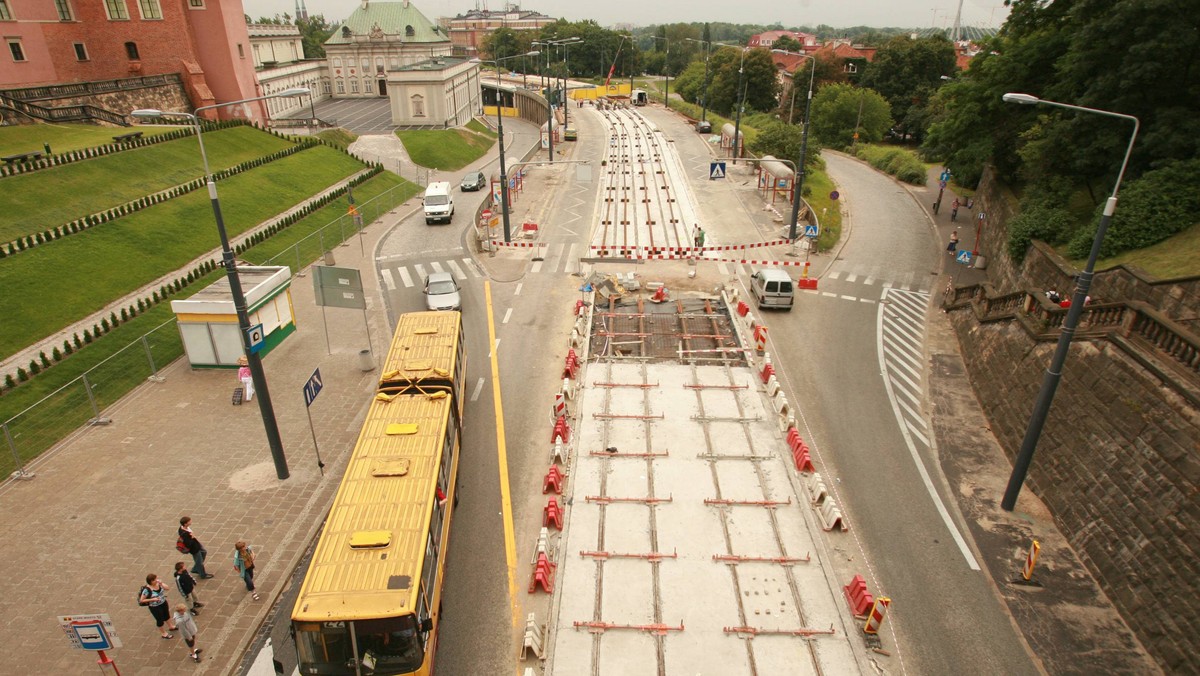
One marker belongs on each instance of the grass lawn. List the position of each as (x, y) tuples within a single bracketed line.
[(476, 125), (275, 250), (828, 212), (338, 137), (41, 200), (448, 149), (49, 287), (1171, 259), (63, 138), (57, 417)]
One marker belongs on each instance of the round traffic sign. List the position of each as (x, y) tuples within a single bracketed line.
[(834, 195), (487, 213)]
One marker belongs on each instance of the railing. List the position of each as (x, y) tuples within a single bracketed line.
[(1171, 342), (90, 88), (82, 402), (75, 113)]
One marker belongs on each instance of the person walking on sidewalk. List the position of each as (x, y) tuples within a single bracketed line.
[(246, 378), (187, 629), (954, 210), (187, 586), (952, 247), (243, 563), (197, 550), (154, 596)]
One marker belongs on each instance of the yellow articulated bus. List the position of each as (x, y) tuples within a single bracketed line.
[(371, 598), (427, 352)]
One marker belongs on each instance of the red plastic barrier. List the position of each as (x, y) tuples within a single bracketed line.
[(553, 480), (856, 595), (552, 514), (767, 372), (561, 430), (742, 308), (543, 574)]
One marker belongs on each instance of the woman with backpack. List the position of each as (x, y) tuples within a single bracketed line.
[(154, 596), (243, 563)]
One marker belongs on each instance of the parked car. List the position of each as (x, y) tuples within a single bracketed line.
[(704, 127), (473, 181), (441, 292), (772, 288)]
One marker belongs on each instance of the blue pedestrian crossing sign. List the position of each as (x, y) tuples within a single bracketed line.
[(964, 257), (312, 388), (812, 231), (716, 170)]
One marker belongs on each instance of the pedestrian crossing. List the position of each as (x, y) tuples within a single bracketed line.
[(901, 340), (413, 275)]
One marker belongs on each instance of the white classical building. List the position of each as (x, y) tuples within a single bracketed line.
[(442, 92), (379, 37)]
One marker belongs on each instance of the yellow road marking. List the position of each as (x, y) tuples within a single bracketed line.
[(510, 544)]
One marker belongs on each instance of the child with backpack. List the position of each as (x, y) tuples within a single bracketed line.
[(187, 586), (243, 563)]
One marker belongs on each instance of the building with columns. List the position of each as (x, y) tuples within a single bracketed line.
[(379, 37)]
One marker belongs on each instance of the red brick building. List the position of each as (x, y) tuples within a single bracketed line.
[(60, 42)]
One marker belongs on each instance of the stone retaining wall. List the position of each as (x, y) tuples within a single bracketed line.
[(1118, 463)]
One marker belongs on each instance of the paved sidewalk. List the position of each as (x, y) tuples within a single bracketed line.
[(104, 506)]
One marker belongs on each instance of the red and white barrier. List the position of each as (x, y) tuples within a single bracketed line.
[(1031, 560), (878, 612), (857, 596)]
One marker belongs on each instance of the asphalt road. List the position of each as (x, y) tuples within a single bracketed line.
[(853, 357)]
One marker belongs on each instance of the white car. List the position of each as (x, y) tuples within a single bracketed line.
[(441, 292)]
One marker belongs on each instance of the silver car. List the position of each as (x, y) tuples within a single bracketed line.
[(441, 292)]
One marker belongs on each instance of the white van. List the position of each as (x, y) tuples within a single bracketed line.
[(772, 288), (439, 202)]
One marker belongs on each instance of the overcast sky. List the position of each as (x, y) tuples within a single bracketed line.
[(839, 13)]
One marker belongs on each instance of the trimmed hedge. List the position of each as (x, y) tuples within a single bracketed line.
[(899, 162)]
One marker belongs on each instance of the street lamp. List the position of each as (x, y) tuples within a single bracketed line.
[(566, 45), (666, 71), (741, 103), (500, 131), (253, 361), (1050, 382), (803, 140), (550, 87)]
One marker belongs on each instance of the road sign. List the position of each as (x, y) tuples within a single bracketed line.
[(487, 214), (90, 632), (834, 195), (942, 184), (964, 257), (254, 336), (716, 170), (945, 175), (312, 388), (812, 231)]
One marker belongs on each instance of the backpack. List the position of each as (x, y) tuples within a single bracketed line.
[(183, 549), (146, 592)]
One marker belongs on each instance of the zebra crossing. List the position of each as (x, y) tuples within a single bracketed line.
[(408, 276), (901, 339)]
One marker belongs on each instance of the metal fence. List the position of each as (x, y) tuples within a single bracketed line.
[(82, 401)]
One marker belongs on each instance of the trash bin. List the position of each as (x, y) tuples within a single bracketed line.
[(329, 258), (366, 361), (980, 263)]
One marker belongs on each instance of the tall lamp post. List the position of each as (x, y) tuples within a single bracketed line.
[(1054, 372), (740, 101), (566, 45), (257, 374), (500, 131), (704, 99), (803, 141)]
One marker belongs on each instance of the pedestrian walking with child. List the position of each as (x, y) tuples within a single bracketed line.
[(154, 596), (193, 547), (243, 563), (188, 630), (187, 586)]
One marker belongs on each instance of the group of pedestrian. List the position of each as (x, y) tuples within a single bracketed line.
[(153, 594)]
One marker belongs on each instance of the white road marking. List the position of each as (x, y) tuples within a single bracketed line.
[(437, 267), (478, 387), (537, 265), (832, 275), (869, 280), (507, 314), (420, 270), (825, 293), (404, 277), (387, 279), (495, 348), (470, 265), (844, 297), (518, 291), (849, 278), (458, 273), (918, 433), (866, 300), (912, 449), (572, 261)]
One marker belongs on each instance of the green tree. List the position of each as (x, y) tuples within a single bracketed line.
[(760, 85), (784, 141), (907, 72), (836, 108), (789, 43), (314, 31)]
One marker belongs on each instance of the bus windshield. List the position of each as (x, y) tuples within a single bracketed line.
[(385, 646)]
